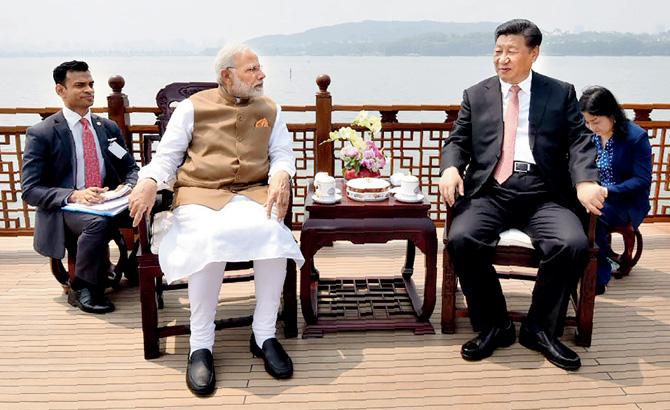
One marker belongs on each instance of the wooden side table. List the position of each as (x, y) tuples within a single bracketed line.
[(367, 303)]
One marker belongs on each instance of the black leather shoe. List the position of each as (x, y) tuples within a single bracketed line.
[(600, 289), (200, 377), (90, 301), (487, 341), (551, 348), (277, 362)]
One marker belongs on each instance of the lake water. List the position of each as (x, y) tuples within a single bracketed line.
[(27, 82)]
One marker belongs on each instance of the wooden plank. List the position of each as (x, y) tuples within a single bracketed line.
[(57, 357)]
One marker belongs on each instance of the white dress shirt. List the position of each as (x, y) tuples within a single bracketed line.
[(77, 130), (196, 236), (522, 151)]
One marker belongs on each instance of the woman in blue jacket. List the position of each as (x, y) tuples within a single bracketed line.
[(624, 165)]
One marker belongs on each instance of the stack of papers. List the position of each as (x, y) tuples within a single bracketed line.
[(107, 208), (116, 193)]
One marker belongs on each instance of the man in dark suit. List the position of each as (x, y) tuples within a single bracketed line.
[(521, 144), (74, 156)]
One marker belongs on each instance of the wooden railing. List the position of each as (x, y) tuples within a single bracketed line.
[(412, 146)]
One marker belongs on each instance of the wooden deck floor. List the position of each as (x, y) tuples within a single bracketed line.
[(54, 356)]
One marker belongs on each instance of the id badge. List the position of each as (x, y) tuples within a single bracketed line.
[(117, 150)]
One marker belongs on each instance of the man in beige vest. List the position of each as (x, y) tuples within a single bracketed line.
[(230, 196)]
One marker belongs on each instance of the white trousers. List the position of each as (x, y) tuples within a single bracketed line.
[(203, 295)]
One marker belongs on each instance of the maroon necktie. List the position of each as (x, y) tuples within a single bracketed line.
[(511, 121), (91, 163)]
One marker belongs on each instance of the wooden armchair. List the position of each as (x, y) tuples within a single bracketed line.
[(521, 256), (150, 274), (632, 243), (125, 265)]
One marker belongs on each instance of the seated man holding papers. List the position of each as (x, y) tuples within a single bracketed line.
[(75, 157)]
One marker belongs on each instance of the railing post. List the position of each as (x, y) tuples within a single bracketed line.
[(451, 115), (390, 116), (642, 114), (323, 153), (117, 102)]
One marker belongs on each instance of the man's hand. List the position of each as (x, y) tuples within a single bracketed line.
[(592, 196), (142, 199), (451, 183), (88, 196), (278, 194)]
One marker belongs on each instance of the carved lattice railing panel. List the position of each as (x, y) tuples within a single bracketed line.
[(15, 215), (659, 137), (303, 149), (413, 147)]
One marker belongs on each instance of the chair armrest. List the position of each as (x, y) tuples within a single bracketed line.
[(163, 202), (288, 218), (591, 232), (147, 142)]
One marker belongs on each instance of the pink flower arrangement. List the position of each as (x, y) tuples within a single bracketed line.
[(360, 157)]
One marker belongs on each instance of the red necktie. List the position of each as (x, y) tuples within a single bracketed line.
[(91, 163), (511, 121)]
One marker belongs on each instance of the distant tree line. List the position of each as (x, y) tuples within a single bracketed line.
[(475, 44)]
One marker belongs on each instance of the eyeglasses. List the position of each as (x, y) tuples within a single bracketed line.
[(254, 69)]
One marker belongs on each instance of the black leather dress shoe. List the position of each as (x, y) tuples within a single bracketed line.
[(487, 341), (200, 377), (90, 301), (600, 289), (551, 348), (277, 362)]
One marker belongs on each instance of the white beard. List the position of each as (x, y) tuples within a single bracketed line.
[(241, 90)]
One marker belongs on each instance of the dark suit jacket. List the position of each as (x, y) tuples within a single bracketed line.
[(631, 164), (48, 174), (560, 142)]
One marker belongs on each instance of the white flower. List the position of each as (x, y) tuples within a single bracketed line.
[(358, 153), (375, 125), (361, 118)]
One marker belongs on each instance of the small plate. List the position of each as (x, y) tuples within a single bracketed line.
[(336, 198), (410, 198)]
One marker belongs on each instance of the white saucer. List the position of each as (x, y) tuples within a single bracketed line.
[(336, 198), (409, 198)]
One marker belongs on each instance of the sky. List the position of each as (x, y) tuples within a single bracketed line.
[(88, 25)]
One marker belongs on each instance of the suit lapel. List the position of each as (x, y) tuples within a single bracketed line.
[(493, 98), (101, 133), (67, 141), (539, 97)]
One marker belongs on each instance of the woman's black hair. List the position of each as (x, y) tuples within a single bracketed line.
[(600, 101)]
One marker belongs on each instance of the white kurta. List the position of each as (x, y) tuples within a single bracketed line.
[(240, 231)]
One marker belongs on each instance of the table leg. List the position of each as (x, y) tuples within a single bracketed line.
[(408, 268), (308, 285), (315, 271)]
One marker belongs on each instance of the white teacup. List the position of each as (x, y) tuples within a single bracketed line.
[(325, 189), (319, 176), (409, 186), (396, 178)]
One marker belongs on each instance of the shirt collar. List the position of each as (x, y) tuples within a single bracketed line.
[(73, 118), (523, 85)]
